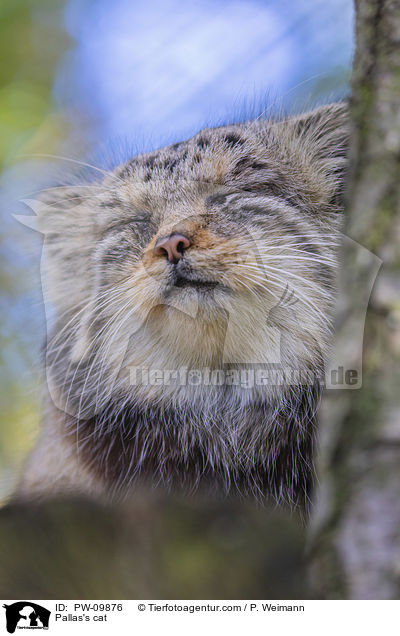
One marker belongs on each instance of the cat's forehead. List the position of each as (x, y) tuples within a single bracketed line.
[(212, 159), (211, 156), (290, 159)]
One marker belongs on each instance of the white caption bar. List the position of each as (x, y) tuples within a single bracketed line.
[(198, 618)]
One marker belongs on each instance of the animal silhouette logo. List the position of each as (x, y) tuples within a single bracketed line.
[(26, 615)]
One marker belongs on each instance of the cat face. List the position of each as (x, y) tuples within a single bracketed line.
[(182, 257)]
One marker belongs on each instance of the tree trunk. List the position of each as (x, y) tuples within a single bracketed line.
[(355, 531)]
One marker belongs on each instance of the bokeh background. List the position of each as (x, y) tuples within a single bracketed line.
[(106, 79)]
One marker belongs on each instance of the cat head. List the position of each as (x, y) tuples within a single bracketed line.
[(177, 257)]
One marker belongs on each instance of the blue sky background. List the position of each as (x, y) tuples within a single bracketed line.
[(155, 72)]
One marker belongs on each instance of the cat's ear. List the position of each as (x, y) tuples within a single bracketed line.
[(326, 128), (324, 136)]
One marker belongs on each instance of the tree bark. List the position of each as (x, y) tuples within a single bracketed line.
[(355, 530)]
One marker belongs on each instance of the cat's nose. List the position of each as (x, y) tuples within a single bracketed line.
[(172, 247)]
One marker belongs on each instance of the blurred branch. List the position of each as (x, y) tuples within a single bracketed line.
[(356, 539), (149, 548)]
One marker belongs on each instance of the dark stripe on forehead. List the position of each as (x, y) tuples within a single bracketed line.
[(170, 163), (248, 163), (203, 142), (233, 139), (149, 162), (128, 169)]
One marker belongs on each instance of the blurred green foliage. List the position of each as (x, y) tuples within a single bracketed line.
[(159, 548), (31, 42)]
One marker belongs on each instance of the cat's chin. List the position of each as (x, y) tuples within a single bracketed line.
[(198, 303)]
